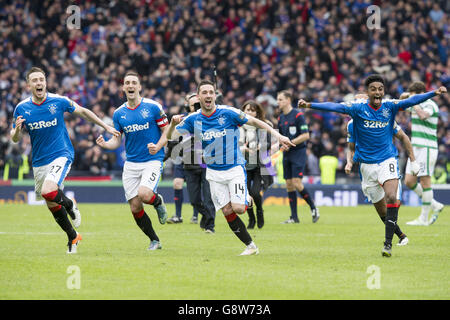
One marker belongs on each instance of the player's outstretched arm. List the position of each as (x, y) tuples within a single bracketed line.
[(92, 117), (419, 98), (16, 133), (323, 106), (111, 144), (284, 141)]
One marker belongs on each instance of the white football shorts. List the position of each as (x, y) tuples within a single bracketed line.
[(426, 158), (228, 186), (136, 174), (55, 171), (374, 175)]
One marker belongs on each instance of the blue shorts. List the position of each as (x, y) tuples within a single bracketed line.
[(178, 171), (294, 165)]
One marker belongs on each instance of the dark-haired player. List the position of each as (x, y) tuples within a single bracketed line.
[(42, 115), (217, 128), (143, 123), (373, 126)]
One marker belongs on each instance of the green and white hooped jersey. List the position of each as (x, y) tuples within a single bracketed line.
[(424, 132)]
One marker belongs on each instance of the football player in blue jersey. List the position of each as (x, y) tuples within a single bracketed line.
[(373, 127), (380, 206), (217, 126), (143, 123), (292, 124), (42, 115)]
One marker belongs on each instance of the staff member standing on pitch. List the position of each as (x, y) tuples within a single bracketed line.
[(292, 125), (42, 115), (143, 123)]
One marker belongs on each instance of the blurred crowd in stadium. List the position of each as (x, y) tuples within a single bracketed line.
[(321, 50)]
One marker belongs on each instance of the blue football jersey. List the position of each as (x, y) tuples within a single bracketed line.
[(45, 124), (351, 137), (373, 130), (141, 125), (219, 134)]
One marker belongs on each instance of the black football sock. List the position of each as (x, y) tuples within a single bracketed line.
[(59, 197), (155, 200), (239, 229), (178, 199), (397, 230), (293, 204), (390, 222), (144, 222), (60, 215), (305, 195)]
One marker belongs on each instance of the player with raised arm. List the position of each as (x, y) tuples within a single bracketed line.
[(217, 127), (42, 115), (373, 128), (424, 121), (143, 123)]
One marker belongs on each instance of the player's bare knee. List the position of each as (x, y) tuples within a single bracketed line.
[(289, 185), (227, 210), (48, 188), (145, 194), (410, 180), (391, 197), (238, 208), (178, 183)]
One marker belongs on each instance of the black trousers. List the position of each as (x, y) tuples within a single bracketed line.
[(254, 186), (200, 195)]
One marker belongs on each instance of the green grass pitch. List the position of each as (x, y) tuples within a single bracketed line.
[(337, 258)]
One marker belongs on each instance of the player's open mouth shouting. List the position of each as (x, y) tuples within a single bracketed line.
[(377, 100), (40, 91)]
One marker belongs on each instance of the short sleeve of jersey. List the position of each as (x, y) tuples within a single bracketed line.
[(350, 136), (302, 127), (116, 123), (68, 105), (159, 115), (238, 116)]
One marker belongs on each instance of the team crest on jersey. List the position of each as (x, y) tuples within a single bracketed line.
[(144, 113), (52, 108), (292, 130), (221, 120), (386, 113)]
